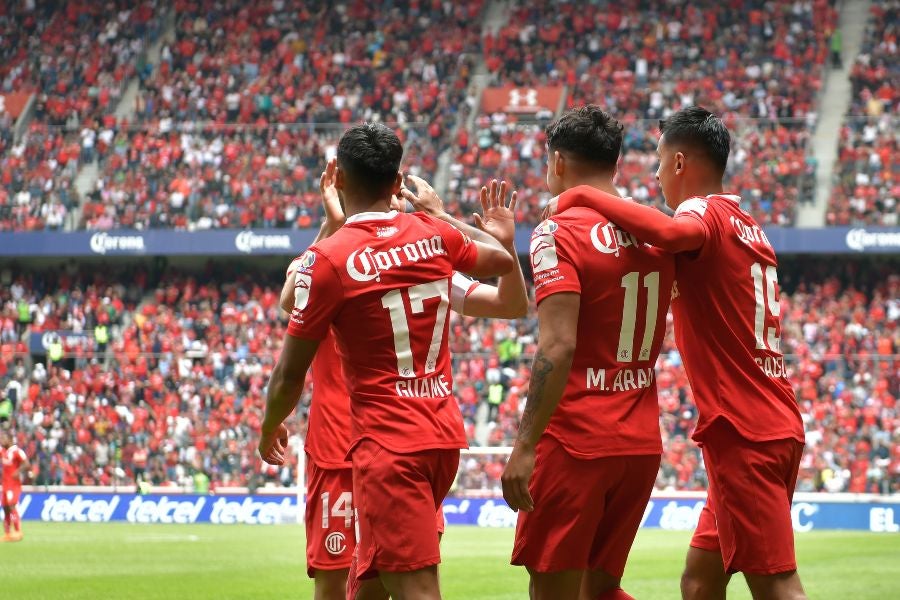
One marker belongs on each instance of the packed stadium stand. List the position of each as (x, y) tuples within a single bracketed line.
[(178, 386), (867, 180)]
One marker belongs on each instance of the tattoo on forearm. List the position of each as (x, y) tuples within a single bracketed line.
[(540, 369)]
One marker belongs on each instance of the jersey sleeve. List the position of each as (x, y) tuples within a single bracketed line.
[(699, 210), (462, 252), (318, 296), (460, 288), (552, 263)]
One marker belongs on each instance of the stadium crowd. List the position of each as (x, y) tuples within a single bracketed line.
[(867, 174), (162, 377), (217, 109), (641, 62), (77, 58)]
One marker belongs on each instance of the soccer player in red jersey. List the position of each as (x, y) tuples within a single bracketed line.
[(727, 328), (382, 282), (588, 449), (15, 465), (330, 537)]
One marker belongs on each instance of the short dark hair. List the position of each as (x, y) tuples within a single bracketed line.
[(589, 133), (370, 154), (700, 129)]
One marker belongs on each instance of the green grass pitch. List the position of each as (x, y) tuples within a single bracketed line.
[(122, 561)]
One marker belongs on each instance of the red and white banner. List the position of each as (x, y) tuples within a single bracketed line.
[(14, 103), (513, 99)]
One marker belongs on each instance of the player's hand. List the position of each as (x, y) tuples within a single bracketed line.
[(425, 199), (516, 477), (273, 445), (331, 201), (499, 220), (550, 209)]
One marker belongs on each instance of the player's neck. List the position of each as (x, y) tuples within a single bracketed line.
[(355, 206), (701, 189), (602, 182)]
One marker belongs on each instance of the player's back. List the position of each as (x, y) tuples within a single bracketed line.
[(728, 326), (609, 406), (389, 281)]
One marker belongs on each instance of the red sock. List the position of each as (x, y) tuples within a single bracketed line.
[(6, 521), (615, 594), (15, 520)]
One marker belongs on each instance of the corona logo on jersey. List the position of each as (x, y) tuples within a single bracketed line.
[(543, 247), (368, 264), (749, 234), (609, 239), (336, 542)]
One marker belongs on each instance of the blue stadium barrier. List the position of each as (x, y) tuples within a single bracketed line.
[(260, 242), (813, 511)]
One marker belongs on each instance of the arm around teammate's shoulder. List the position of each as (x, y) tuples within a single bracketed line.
[(647, 223)]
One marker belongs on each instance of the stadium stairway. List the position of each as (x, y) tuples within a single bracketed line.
[(496, 15), (86, 180), (834, 102)]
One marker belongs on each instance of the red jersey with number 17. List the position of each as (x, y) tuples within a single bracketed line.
[(12, 459), (328, 431), (728, 326), (609, 406), (383, 283)]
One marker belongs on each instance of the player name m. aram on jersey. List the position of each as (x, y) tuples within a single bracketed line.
[(624, 379)]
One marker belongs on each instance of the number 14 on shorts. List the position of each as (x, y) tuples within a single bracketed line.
[(342, 508)]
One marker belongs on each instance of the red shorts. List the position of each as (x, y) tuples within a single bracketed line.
[(397, 496), (586, 512), (747, 516), (330, 538), (11, 495)]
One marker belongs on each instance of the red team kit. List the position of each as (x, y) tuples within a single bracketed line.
[(406, 427), (726, 312)]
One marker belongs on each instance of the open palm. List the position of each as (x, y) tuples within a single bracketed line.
[(499, 219)]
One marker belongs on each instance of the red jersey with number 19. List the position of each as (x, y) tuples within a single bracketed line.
[(727, 324), (609, 406), (383, 282)]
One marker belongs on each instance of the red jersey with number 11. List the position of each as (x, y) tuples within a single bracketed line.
[(383, 283), (610, 405), (728, 326)]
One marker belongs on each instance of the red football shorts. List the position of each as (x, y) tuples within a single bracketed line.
[(11, 494), (330, 538), (747, 516), (397, 497), (586, 512)]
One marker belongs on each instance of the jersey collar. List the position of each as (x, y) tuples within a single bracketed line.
[(372, 216), (734, 198)]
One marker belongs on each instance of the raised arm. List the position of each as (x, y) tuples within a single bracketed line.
[(334, 220), (558, 329), (493, 259), (645, 222), (509, 298)]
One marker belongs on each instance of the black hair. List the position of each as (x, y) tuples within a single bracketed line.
[(588, 133), (370, 154), (700, 129)]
